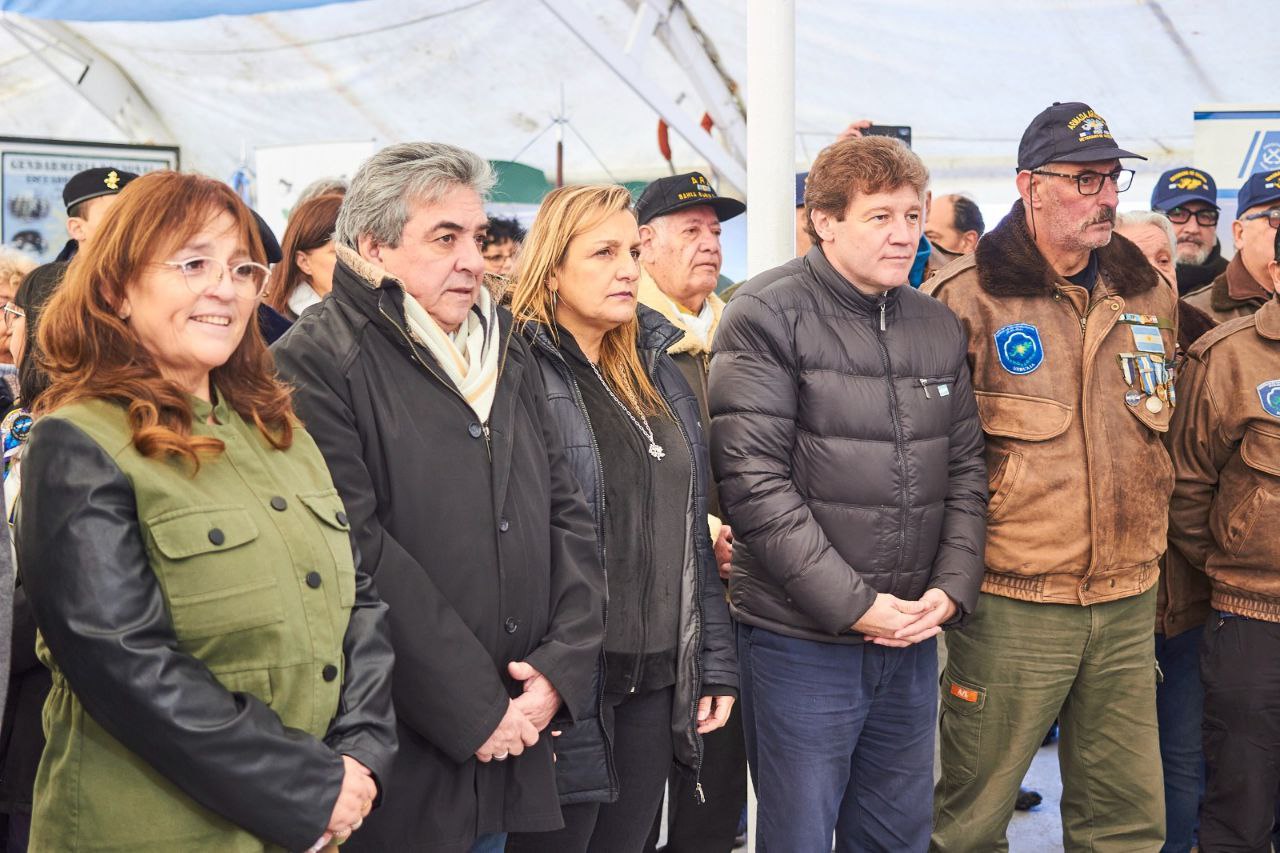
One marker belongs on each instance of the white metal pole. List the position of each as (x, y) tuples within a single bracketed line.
[(771, 138)]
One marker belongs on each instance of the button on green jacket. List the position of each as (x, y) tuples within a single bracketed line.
[(214, 651)]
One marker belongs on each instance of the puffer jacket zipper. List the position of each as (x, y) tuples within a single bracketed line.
[(899, 443)]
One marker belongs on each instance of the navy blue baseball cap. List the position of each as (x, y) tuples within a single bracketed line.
[(1068, 133), (1181, 185), (801, 177), (1261, 188)]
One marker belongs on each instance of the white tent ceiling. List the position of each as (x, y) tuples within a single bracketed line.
[(488, 74)]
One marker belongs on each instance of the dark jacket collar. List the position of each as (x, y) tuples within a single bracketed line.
[(817, 265), (1236, 288), (1010, 264), (654, 334)]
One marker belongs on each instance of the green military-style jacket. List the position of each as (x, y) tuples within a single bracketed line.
[(204, 632)]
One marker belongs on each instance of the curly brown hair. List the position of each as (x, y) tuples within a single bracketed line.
[(89, 352)]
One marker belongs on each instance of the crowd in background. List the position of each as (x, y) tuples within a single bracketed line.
[(418, 530)]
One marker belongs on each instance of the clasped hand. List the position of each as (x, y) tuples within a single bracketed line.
[(355, 800), (897, 622), (526, 715)]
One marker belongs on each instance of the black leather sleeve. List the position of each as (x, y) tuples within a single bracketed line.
[(365, 727), (99, 606)]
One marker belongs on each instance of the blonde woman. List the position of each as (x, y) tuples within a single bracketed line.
[(630, 424)]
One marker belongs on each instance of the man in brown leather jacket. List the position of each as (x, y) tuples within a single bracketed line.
[(1245, 285), (1071, 341), (1225, 442)]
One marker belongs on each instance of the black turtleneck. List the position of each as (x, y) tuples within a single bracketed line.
[(1195, 276)]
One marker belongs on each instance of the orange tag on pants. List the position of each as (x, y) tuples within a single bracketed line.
[(963, 693)]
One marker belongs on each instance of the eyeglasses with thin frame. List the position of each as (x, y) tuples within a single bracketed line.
[(202, 274), (1090, 183), (1272, 216), (1180, 215), (11, 312)]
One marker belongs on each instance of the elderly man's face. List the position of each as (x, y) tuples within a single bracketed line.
[(1255, 241), (682, 252), (1154, 243), (1195, 241), (438, 257), (1068, 220)]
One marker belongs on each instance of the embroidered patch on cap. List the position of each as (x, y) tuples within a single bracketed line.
[(1269, 394), (1019, 349)]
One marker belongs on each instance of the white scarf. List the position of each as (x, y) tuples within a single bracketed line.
[(469, 357)]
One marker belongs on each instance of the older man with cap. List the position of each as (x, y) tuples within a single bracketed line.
[(1071, 342), (1188, 197), (680, 259), (1245, 286)]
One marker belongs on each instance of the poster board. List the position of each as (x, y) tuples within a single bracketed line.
[(33, 173), (284, 171), (1232, 141)]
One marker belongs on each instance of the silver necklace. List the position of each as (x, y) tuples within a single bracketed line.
[(655, 449)]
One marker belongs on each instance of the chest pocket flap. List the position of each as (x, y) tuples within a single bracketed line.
[(189, 531), (1260, 450), (327, 508), (1021, 417)]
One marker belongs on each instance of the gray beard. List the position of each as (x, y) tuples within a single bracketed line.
[(1198, 258)]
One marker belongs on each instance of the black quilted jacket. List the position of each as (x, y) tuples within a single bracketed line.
[(846, 443)]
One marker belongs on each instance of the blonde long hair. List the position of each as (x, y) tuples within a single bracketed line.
[(566, 213)]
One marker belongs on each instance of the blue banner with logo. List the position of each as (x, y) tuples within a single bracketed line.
[(150, 10)]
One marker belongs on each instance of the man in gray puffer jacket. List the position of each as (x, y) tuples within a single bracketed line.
[(846, 441)]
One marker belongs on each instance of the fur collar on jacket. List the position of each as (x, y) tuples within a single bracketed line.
[(651, 295), (1009, 264), (367, 272)]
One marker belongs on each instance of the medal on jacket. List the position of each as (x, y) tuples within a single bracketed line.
[(1147, 374), (1126, 367)]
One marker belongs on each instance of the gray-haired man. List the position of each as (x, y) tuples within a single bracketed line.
[(460, 500)]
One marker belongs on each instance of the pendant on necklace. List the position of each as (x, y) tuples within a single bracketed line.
[(656, 451)]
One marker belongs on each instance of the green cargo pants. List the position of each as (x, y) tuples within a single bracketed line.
[(1010, 671)]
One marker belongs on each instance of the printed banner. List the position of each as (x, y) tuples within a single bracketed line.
[(33, 173)]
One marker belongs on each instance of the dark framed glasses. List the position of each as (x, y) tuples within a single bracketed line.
[(1272, 216), (1180, 215), (1090, 183)]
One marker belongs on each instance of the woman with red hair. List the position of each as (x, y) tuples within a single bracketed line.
[(220, 667)]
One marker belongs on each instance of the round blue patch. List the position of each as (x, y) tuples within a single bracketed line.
[(1269, 394), (1019, 349)]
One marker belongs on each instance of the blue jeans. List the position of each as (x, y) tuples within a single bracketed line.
[(1180, 709), (494, 842), (839, 740)]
